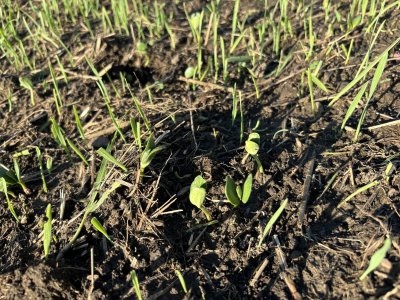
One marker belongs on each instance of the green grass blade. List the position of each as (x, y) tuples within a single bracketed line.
[(354, 104), (363, 73), (77, 151), (97, 225), (319, 83), (136, 286), (181, 280), (377, 258), (272, 221), (378, 74), (360, 190), (78, 123), (103, 153), (95, 205), (47, 231), (3, 187)]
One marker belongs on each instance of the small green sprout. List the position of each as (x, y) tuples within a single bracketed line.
[(148, 154), (237, 193), (197, 195), (27, 84), (141, 48), (136, 285), (190, 72), (377, 258), (47, 231), (181, 280), (97, 225), (252, 147)]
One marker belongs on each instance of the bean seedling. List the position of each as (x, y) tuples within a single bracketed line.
[(237, 193), (252, 147), (198, 195)]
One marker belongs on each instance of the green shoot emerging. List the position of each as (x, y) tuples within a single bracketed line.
[(236, 194), (252, 146), (198, 195)]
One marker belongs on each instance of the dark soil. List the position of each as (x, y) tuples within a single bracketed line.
[(326, 249)]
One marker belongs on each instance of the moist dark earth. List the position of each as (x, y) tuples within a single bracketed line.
[(154, 228)]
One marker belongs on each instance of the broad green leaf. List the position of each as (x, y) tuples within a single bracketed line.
[(377, 258), (254, 137), (198, 182), (239, 191), (252, 147), (230, 192), (197, 196), (97, 225), (136, 286), (106, 155), (247, 187), (189, 72), (141, 47), (272, 221), (47, 231)]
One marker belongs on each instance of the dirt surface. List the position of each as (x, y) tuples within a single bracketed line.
[(154, 228)]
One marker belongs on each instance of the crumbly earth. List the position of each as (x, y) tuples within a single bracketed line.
[(154, 228)]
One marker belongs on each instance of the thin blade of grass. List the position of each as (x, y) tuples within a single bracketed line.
[(181, 280), (360, 190), (136, 286), (97, 225), (105, 154), (47, 231), (272, 221), (377, 258), (354, 104), (363, 73)]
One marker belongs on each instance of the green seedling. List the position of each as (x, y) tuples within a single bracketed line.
[(136, 286), (106, 155), (360, 190), (93, 203), (252, 147), (197, 195), (272, 221), (377, 258), (181, 280), (64, 142), (19, 178), (389, 170), (97, 225), (237, 193), (4, 189), (47, 231), (135, 126), (148, 154), (27, 84), (78, 123), (190, 72), (40, 158)]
